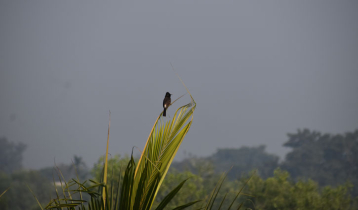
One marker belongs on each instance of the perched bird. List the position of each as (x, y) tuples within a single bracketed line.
[(166, 103)]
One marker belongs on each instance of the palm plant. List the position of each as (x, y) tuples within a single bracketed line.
[(141, 182)]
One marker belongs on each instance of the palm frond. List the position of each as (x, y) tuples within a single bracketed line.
[(4, 192), (161, 147)]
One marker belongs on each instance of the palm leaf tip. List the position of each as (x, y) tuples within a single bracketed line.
[(161, 147)]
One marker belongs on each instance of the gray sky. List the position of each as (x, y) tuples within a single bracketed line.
[(257, 70)]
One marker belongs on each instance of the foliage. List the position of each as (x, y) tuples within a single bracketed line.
[(325, 158), (73, 193), (279, 192), (243, 160), (193, 188), (141, 181), (202, 181), (161, 147), (196, 187), (315, 162), (10, 155), (14, 181), (191, 191), (19, 197), (68, 171), (116, 167), (200, 166)]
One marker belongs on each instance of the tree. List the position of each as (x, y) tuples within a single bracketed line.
[(77, 169), (19, 197), (242, 160), (10, 155), (326, 158), (280, 193), (116, 167), (197, 187)]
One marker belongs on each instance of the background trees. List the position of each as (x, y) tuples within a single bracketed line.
[(19, 197), (242, 160), (326, 158), (10, 155), (279, 192), (318, 173)]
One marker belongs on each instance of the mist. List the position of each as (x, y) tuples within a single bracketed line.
[(257, 70)]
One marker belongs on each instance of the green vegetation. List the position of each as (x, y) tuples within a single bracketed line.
[(325, 158), (278, 192), (250, 158), (18, 197), (142, 180), (306, 186), (10, 155), (318, 173)]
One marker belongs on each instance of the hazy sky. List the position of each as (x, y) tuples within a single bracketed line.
[(257, 70)]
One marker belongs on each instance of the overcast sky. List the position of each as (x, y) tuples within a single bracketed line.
[(257, 70)]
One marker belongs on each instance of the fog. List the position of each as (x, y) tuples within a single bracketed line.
[(257, 70)]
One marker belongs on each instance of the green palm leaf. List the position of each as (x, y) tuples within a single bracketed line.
[(162, 145), (4, 192), (141, 182), (171, 195)]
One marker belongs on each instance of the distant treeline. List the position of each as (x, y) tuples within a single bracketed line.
[(325, 158), (298, 182)]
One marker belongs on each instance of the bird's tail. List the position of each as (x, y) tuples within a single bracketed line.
[(165, 112)]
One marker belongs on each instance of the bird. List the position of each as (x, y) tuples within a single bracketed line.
[(166, 103)]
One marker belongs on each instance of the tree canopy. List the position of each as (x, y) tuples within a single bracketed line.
[(10, 155), (326, 158)]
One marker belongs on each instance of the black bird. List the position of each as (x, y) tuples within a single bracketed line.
[(166, 103)]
